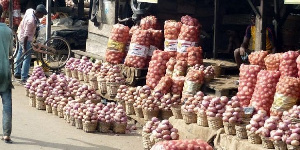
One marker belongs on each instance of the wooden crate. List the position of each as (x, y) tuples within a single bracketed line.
[(223, 86), (227, 67)]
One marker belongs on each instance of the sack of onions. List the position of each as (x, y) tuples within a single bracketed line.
[(170, 66), (147, 131), (288, 65), (156, 42), (194, 56), (117, 43), (272, 61), (189, 110), (180, 68), (177, 85), (232, 115), (215, 112), (256, 122), (291, 137), (138, 49), (188, 20), (120, 120), (164, 85), (105, 117), (171, 33), (164, 132), (247, 81), (287, 94), (265, 89), (131, 31), (157, 68), (203, 105), (149, 22), (193, 81), (269, 126), (182, 145), (298, 65), (150, 107), (258, 58)]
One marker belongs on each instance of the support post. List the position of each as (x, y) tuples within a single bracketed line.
[(216, 28), (263, 24), (48, 20), (11, 16)]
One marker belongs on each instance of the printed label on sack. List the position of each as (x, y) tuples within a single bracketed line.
[(17, 13), (151, 50), (282, 102), (183, 45), (138, 50), (115, 45), (171, 45), (191, 87)]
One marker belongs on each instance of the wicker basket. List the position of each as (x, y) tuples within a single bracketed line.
[(229, 128), (103, 127), (147, 143), (74, 74), (202, 120), (138, 112), (112, 88), (148, 115), (86, 78), (54, 111), (215, 123), (279, 145), (27, 92), (166, 114), (89, 127), (48, 109), (72, 121), (121, 102), (78, 123), (291, 147), (68, 72), (267, 143), (189, 117), (241, 131), (119, 128), (40, 105), (80, 76), (94, 84), (176, 110), (254, 138), (32, 100), (60, 114), (129, 108), (102, 86)]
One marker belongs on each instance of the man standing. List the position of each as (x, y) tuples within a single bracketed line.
[(26, 32), (6, 44)]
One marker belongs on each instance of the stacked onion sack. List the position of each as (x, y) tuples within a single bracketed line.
[(180, 68), (164, 132), (177, 85), (150, 106), (190, 108), (182, 145), (164, 85), (156, 42), (106, 117), (201, 114), (37, 73), (157, 68), (272, 61), (138, 49), (170, 66), (147, 131), (131, 31), (149, 22), (287, 94), (82, 68), (232, 116), (74, 68), (193, 82), (256, 122), (171, 33), (194, 56), (270, 125), (68, 67), (117, 43), (258, 58), (90, 117), (247, 81), (120, 120), (215, 112), (265, 89), (114, 79), (129, 98), (85, 93), (101, 77), (93, 75), (288, 65), (143, 93)]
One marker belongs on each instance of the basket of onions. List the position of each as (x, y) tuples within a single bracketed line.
[(67, 110), (256, 122), (73, 86), (74, 69), (101, 77), (121, 95), (165, 106), (164, 132), (105, 117), (93, 75), (41, 94), (86, 71), (176, 106), (264, 132), (33, 91), (61, 105), (232, 116), (215, 111), (114, 79), (143, 93), (193, 81), (90, 117), (130, 96), (276, 135), (120, 120), (291, 137), (48, 102), (147, 131), (150, 107), (82, 67), (68, 67), (209, 74), (37, 73), (189, 110), (201, 115)]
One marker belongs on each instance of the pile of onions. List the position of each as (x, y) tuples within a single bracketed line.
[(151, 125), (194, 144), (121, 92), (270, 125), (248, 77), (37, 73), (87, 67), (149, 22), (83, 65), (42, 90), (138, 49), (265, 89), (292, 114), (114, 75), (277, 134), (188, 20), (257, 121), (180, 68), (233, 112), (194, 56), (76, 109), (193, 81), (96, 67), (89, 113), (288, 65), (70, 62), (157, 68), (117, 44), (166, 102), (177, 85), (131, 95), (192, 104), (106, 114), (216, 107), (171, 33), (204, 104), (156, 42), (165, 131), (164, 85), (150, 104), (87, 93), (143, 93), (105, 67), (189, 36), (59, 84), (258, 58), (73, 85), (74, 65), (120, 115), (292, 136), (170, 66), (272, 61), (67, 109), (34, 85)]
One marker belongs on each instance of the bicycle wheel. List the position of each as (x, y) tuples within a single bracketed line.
[(61, 55), (15, 45)]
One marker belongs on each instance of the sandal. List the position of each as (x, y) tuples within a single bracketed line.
[(8, 140)]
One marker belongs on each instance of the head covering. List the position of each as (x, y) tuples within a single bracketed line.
[(41, 9)]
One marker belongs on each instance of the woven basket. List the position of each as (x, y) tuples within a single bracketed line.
[(241, 131), (27, 92), (166, 114), (267, 143), (202, 120), (68, 72), (72, 121), (279, 145), (291, 147), (176, 110), (60, 114), (40, 105), (189, 117), (138, 112), (129, 108), (112, 88), (119, 128), (147, 143), (74, 74), (54, 111), (102, 87), (215, 123), (121, 102), (48, 109), (229, 128), (254, 138), (103, 127), (32, 101), (80, 76), (148, 115), (89, 127), (86, 78), (94, 84), (78, 124)]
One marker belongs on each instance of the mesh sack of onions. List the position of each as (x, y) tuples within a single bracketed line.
[(194, 56), (265, 89), (193, 81), (156, 43), (164, 132), (147, 131), (117, 43), (272, 61), (157, 68), (170, 66), (288, 65), (171, 33), (138, 49), (180, 68), (298, 65), (177, 85), (188, 20), (247, 81), (131, 31), (258, 58), (149, 22), (5, 4), (182, 145), (287, 94)]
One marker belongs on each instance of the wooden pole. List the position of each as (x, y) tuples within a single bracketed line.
[(263, 24), (216, 28), (48, 20)]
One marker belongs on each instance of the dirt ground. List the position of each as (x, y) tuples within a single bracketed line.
[(36, 130)]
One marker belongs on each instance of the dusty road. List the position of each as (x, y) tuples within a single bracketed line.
[(36, 130)]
